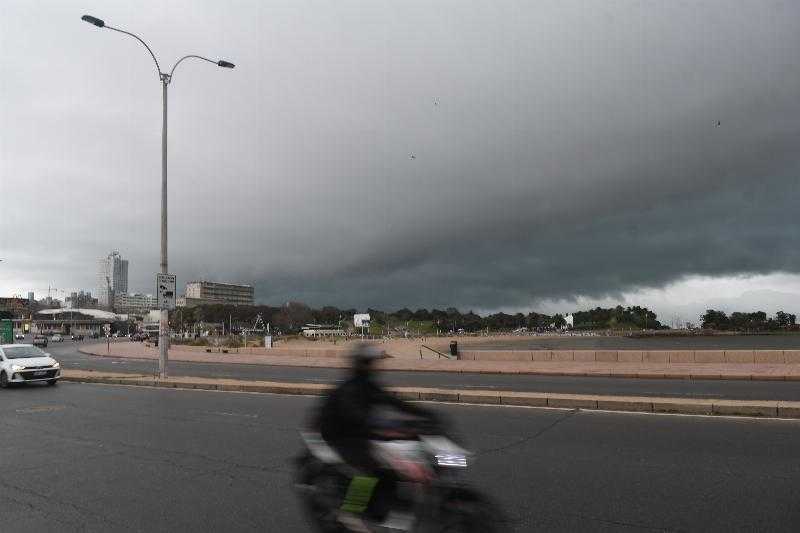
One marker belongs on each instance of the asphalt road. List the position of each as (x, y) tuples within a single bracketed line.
[(68, 354), (81, 457)]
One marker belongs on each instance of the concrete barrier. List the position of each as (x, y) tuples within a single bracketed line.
[(562, 355), (739, 356), (639, 356), (769, 356), (629, 356), (655, 357), (606, 356), (681, 357), (709, 356)]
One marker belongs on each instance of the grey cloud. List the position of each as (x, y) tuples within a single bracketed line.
[(574, 149)]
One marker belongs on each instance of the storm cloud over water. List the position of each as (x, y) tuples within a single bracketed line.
[(421, 154)]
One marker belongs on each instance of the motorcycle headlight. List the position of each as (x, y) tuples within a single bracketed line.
[(17, 368), (452, 460)]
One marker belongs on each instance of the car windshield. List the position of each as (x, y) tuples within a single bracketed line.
[(22, 352)]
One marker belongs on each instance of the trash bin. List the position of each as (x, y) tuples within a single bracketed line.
[(454, 348)]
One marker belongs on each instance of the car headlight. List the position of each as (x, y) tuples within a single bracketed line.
[(56, 365), (17, 368)]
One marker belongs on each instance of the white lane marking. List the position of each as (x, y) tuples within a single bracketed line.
[(222, 413), (41, 409)]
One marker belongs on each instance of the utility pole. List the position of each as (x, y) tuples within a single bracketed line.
[(165, 78)]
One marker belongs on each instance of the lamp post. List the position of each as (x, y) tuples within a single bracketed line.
[(165, 78)]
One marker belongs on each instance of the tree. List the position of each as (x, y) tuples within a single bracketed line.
[(713, 319), (784, 320)]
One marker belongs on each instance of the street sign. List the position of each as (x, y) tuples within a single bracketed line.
[(6, 332), (165, 289)]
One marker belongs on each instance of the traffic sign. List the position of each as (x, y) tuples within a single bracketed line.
[(165, 289), (6, 331)]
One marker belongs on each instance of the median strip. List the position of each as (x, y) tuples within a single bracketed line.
[(646, 404)]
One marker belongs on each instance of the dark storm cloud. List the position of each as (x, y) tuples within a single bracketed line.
[(559, 149)]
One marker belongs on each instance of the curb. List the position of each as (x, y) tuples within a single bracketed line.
[(639, 404)]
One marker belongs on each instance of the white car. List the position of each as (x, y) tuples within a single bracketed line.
[(25, 363), (57, 338), (19, 337)]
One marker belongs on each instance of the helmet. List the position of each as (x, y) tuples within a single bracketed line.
[(365, 354)]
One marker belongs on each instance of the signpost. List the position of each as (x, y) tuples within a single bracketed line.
[(165, 289), (107, 330), (361, 321)]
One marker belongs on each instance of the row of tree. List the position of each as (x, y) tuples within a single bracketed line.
[(294, 315), (757, 321)]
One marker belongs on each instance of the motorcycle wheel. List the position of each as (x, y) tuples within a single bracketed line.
[(467, 511), (322, 490)]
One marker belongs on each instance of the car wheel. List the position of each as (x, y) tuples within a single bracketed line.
[(51, 382), (3, 380)]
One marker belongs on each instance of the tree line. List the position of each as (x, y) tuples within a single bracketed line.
[(756, 321), (294, 315)]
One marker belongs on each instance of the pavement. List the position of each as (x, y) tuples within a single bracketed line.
[(727, 371), (108, 458), (740, 389)]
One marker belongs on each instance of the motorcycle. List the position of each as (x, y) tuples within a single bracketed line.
[(428, 467)]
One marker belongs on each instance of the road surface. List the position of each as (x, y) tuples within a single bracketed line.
[(80, 457)]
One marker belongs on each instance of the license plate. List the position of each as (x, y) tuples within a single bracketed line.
[(39, 374)]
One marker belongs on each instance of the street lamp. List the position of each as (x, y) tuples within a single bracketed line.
[(165, 78)]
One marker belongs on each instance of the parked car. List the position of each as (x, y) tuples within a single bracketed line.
[(77, 337), (25, 363), (57, 338), (19, 337), (40, 340)]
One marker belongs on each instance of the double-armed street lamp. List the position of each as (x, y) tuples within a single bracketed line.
[(165, 78)]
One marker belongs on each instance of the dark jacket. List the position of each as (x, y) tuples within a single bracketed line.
[(346, 412)]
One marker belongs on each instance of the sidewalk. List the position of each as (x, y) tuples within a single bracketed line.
[(731, 371), (646, 404)]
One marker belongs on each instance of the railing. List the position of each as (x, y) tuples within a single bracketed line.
[(437, 352)]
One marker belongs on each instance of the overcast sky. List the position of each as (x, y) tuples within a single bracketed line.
[(486, 155)]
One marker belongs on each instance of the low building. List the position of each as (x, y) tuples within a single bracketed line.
[(183, 301), (16, 306), (80, 321), (210, 292), (135, 304), (321, 330)]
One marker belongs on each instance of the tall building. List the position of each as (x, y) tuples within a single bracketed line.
[(209, 292), (134, 304), (81, 300), (112, 278)]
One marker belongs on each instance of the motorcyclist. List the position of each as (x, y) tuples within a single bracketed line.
[(346, 422)]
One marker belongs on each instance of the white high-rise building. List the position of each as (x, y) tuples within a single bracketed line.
[(112, 278)]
